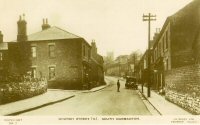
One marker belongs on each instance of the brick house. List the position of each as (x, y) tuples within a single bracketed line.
[(3, 56), (113, 69), (161, 56), (62, 57), (141, 68), (96, 71), (119, 67), (177, 44)]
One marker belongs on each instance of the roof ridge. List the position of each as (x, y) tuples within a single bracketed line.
[(39, 31), (53, 32), (66, 31), (190, 4)]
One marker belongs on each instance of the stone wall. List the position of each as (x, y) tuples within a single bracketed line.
[(13, 91), (183, 87)]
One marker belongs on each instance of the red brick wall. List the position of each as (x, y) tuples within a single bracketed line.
[(68, 62), (183, 87)]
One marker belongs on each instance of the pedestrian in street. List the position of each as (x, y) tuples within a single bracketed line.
[(118, 85)]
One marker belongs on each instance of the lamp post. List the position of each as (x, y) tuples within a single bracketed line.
[(149, 18)]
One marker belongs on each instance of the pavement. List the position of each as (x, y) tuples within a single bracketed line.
[(163, 106), (52, 96)]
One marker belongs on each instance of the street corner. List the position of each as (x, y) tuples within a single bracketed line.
[(96, 89)]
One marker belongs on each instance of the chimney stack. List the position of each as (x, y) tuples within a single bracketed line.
[(22, 32), (94, 47), (45, 24), (156, 33), (1, 37)]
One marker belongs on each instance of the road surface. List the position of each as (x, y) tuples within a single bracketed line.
[(104, 102)]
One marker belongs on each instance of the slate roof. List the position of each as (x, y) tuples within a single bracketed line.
[(182, 21), (3, 46), (52, 33)]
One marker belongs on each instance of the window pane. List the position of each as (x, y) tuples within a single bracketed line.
[(51, 50), (51, 72), (33, 51)]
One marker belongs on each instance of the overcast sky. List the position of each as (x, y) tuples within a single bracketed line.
[(116, 25)]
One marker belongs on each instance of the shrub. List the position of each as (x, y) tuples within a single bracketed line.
[(17, 88)]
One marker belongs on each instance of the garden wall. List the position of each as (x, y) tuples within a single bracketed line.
[(183, 87), (13, 91)]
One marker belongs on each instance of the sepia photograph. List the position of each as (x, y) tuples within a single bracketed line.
[(99, 61)]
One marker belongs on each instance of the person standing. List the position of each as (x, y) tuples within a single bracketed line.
[(118, 85)]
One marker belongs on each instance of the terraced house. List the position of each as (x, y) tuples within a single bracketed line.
[(53, 53), (175, 58), (176, 45)]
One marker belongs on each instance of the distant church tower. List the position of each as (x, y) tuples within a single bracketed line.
[(22, 33)]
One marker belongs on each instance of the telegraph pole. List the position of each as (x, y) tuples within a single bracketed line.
[(149, 18)]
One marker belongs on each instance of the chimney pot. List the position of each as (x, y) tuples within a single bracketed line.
[(45, 24), (43, 21), (46, 21)]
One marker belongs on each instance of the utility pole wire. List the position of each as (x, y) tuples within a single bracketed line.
[(149, 18)]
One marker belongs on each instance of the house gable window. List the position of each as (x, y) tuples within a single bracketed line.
[(51, 51), (33, 51)]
